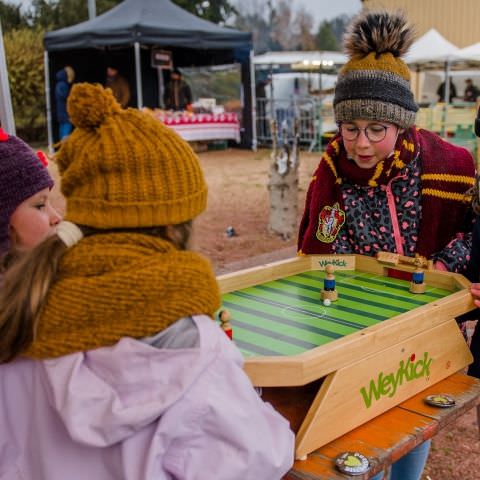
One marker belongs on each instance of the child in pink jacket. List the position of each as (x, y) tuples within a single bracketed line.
[(112, 365)]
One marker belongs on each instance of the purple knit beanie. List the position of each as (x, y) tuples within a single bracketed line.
[(23, 173)]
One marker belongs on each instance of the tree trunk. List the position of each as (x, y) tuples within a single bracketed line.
[(283, 182)]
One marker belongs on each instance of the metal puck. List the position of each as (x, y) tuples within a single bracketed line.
[(353, 463), (441, 400)]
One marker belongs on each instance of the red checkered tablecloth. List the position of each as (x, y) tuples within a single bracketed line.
[(203, 126)]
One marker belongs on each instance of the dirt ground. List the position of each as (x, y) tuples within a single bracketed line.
[(238, 197)]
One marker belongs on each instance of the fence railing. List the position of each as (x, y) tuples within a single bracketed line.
[(310, 113), (317, 124)]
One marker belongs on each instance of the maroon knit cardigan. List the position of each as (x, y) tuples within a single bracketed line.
[(447, 172)]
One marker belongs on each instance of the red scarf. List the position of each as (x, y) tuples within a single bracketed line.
[(447, 173)]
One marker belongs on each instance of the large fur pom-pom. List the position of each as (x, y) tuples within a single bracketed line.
[(378, 32)]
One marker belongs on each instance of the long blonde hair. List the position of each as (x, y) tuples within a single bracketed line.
[(29, 277)]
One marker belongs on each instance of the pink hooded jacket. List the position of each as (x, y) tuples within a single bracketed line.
[(135, 411)]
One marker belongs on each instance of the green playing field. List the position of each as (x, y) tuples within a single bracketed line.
[(287, 316)]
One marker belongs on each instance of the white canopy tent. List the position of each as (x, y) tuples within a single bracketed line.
[(432, 48), (301, 60), (281, 65), (472, 52), (432, 51)]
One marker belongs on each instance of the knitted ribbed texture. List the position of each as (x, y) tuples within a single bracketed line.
[(123, 168), (123, 284), (22, 174), (375, 83)]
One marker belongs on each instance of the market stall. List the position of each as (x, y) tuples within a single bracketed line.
[(201, 127), (129, 33)]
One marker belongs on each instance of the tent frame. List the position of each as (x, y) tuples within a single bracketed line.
[(147, 24)]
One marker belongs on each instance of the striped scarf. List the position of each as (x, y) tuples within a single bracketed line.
[(447, 173)]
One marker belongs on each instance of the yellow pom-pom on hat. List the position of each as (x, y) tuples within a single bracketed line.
[(89, 105), (125, 169)]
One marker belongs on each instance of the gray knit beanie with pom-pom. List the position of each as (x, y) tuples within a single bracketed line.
[(375, 83)]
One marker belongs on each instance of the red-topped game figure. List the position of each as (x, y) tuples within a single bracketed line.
[(225, 317)]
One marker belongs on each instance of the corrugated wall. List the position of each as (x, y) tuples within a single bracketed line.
[(457, 20)]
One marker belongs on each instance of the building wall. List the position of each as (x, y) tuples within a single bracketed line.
[(457, 20)]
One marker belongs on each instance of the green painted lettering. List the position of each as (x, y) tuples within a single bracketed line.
[(387, 384), (373, 392)]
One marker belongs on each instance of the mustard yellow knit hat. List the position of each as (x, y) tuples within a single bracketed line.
[(125, 169)]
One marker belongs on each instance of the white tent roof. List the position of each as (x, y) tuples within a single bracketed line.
[(432, 47), (298, 59), (472, 52)]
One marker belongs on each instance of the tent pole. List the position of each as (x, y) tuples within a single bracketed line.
[(138, 75), (254, 103), (446, 99), (47, 102), (92, 9), (6, 110)]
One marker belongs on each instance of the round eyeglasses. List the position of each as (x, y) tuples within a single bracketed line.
[(375, 132)]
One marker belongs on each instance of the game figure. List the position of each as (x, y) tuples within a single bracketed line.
[(329, 292), (225, 317), (418, 285)]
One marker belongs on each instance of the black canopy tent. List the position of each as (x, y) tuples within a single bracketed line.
[(128, 32)]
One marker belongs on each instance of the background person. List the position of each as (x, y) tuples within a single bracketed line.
[(471, 91), (132, 377), (393, 187), (441, 92), (64, 80), (178, 95), (119, 86)]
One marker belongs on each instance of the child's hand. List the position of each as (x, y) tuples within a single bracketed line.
[(475, 291), (440, 266)]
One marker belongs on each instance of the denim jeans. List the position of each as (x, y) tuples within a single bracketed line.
[(409, 467)]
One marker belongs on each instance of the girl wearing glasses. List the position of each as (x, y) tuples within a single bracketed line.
[(394, 187), (383, 184)]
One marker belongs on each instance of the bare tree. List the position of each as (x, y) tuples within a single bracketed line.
[(302, 27), (282, 22)]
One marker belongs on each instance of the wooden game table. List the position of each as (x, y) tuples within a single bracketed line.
[(388, 437), (344, 364)]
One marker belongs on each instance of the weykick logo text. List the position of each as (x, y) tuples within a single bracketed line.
[(334, 262), (386, 385)]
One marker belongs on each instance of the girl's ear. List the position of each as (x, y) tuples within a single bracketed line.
[(13, 236), (401, 130)]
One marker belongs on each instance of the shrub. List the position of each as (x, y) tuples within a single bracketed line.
[(24, 52)]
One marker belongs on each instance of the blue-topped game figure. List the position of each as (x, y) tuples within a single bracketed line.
[(329, 291), (418, 285)]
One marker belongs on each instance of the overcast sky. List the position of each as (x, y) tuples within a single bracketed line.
[(320, 9), (328, 9)]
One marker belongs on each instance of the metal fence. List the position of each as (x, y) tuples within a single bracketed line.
[(317, 124), (309, 112)]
